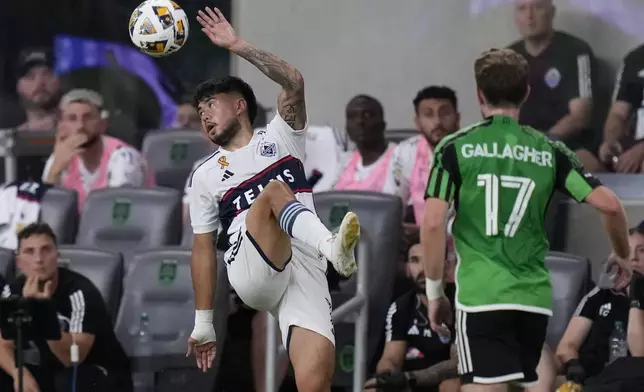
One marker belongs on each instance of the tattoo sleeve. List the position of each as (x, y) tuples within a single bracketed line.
[(290, 104), (436, 374)]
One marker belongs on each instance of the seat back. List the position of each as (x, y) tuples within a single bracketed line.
[(7, 264), (626, 186), (398, 135), (104, 269), (159, 285), (172, 153), (380, 218), (59, 209), (585, 235), (130, 219), (570, 277)]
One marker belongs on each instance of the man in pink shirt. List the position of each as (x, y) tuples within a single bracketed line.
[(84, 158)]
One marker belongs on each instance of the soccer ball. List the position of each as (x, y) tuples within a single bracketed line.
[(159, 27)]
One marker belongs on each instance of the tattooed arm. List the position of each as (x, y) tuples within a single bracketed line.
[(436, 374), (290, 104)]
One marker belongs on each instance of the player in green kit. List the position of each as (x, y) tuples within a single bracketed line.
[(500, 176)]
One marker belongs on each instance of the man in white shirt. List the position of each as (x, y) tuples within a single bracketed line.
[(326, 148), (436, 115), (84, 159)]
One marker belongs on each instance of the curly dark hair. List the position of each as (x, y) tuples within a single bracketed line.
[(229, 84)]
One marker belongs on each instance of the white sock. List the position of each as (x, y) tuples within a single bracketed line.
[(301, 223)]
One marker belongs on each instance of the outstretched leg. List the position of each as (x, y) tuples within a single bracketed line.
[(276, 216)]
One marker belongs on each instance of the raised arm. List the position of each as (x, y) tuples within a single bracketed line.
[(290, 104)]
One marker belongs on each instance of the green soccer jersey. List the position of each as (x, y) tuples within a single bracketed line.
[(501, 176)]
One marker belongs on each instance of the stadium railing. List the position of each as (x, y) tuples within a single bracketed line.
[(359, 303)]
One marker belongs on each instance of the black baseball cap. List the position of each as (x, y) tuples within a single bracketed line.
[(639, 229), (29, 58)]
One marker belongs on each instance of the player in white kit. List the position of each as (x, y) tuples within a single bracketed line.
[(253, 191)]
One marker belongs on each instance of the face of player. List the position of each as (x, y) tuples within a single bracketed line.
[(38, 256), (187, 117), (365, 124), (415, 269), (220, 118), (636, 243), (81, 117), (534, 17), (436, 118)]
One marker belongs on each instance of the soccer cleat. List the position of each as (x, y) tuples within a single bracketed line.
[(343, 244)]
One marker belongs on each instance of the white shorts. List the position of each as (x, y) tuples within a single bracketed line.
[(298, 295)]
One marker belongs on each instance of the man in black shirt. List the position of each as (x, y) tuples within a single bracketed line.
[(561, 72), (414, 356), (102, 364), (584, 348), (623, 147)]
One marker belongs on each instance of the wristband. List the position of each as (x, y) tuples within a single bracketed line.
[(434, 289), (203, 316)]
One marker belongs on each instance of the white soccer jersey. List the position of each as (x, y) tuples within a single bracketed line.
[(225, 185)]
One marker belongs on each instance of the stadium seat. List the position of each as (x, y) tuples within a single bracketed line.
[(626, 186), (130, 219), (104, 269), (398, 135), (7, 264), (381, 220), (59, 209), (584, 234), (172, 153), (159, 285), (570, 277)]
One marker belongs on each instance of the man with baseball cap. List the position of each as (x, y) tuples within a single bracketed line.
[(84, 158), (38, 88)]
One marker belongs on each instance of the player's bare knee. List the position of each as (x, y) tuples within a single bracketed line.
[(278, 190), (276, 194)]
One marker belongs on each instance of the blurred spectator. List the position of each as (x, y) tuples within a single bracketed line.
[(325, 147), (86, 159), (436, 115), (621, 150), (39, 90), (561, 72), (370, 167), (636, 315), (414, 356), (19, 207), (11, 114), (103, 365), (187, 116), (584, 348)]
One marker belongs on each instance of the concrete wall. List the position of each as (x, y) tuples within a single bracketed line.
[(391, 49)]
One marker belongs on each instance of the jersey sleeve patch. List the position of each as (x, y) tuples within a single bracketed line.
[(578, 185)]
